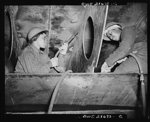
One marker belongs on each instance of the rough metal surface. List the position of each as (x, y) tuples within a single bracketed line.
[(99, 90), (64, 21), (78, 61), (78, 91)]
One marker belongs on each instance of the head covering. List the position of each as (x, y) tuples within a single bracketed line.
[(35, 31), (110, 26)]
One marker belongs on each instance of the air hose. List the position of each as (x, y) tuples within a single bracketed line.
[(143, 92), (50, 108)]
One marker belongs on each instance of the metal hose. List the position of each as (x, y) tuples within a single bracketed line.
[(143, 92), (50, 108)]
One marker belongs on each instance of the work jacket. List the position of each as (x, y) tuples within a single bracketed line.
[(134, 41), (33, 60)]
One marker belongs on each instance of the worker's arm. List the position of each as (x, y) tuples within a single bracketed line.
[(128, 36), (32, 65)]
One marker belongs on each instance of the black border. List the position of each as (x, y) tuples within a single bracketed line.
[(50, 2)]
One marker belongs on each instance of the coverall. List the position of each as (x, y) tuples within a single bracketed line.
[(33, 60), (133, 40)]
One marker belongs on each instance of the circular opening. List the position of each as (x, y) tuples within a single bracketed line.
[(7, 33), (88, 38)]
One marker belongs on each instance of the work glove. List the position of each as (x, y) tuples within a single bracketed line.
[(60, 69), (63, 49), (54, 61), (105, 68)]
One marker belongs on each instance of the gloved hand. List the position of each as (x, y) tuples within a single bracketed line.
[(54, 61), (105, 68), (63, 49), (60, 69)]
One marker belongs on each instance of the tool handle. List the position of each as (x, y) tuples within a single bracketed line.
[(71, 38), (56, 55)]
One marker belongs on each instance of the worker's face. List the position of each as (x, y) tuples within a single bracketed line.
[(114, 34), (42, 40)]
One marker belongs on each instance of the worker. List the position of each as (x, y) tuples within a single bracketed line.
[(33, 58), (132, 41)]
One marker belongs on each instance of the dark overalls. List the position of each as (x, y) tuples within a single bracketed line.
[(133, 41)]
